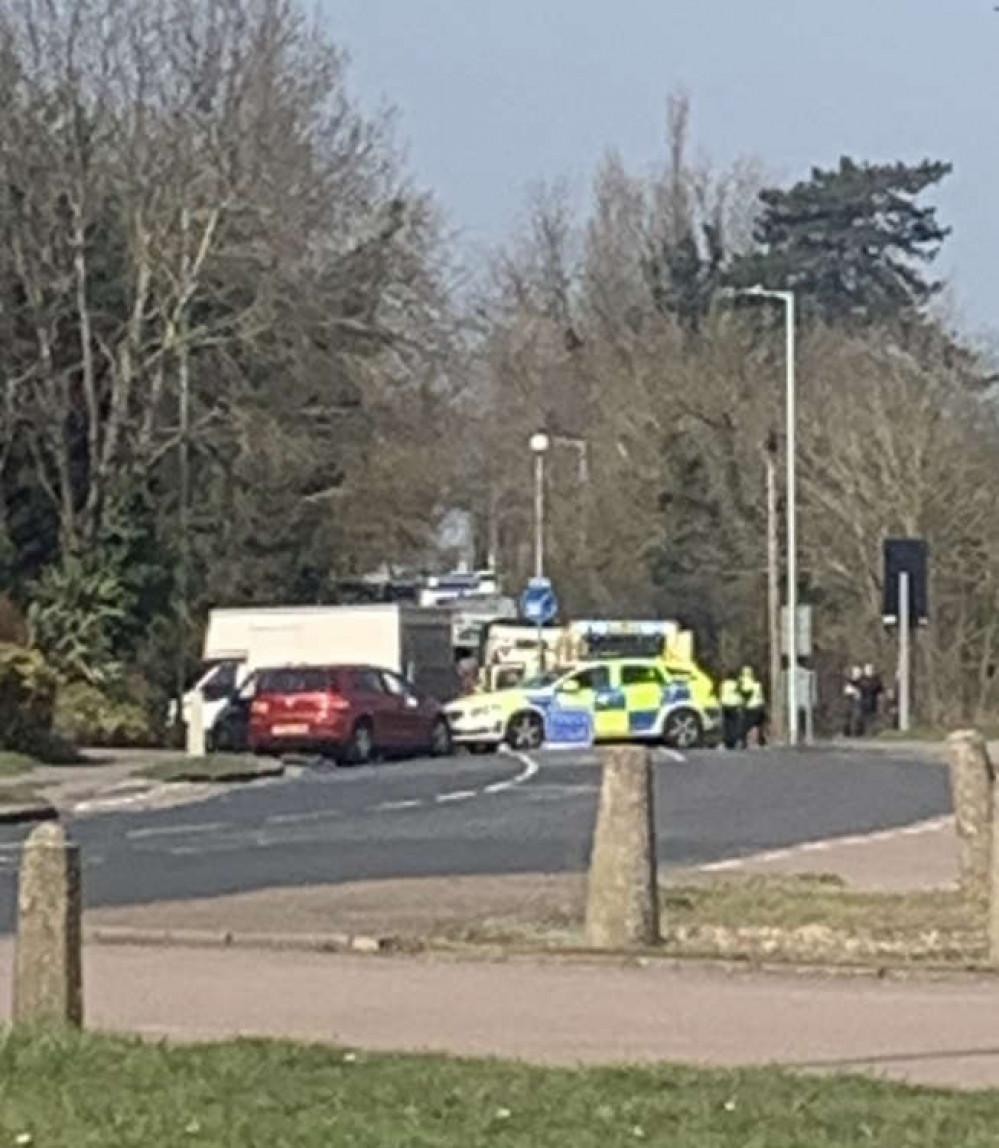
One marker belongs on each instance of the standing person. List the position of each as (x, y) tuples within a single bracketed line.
[(871, 689), (755, 708), (852, 696), (733, 720)]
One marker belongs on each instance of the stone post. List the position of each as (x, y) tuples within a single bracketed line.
[(972, 781), (196, 726), (622, 908), (48, 967)]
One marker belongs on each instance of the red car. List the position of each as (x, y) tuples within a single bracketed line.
[(350, 713)]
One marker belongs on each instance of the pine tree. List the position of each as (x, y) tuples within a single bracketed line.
[(850, 241)]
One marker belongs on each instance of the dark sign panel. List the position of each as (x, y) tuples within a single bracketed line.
[(906, 556)]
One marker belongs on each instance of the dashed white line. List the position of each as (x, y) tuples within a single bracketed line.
[(456, 795), (299, 818), (673, 755), (176, 830), (386, 806)]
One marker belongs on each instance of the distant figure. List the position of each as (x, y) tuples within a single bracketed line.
[(755, 709), (871, 689), (733, 719), (468, 675), (853, 719)]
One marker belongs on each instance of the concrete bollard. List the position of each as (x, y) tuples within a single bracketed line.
[(972, 780), (48, 965), (196, 726), (622, 908)]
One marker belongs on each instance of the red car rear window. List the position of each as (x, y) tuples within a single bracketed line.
[(295, 681)]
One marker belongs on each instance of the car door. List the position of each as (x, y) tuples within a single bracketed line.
[(593, 688), (643, 684), (411, 716), (372, 699)]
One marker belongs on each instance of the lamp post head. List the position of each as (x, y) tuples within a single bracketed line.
[(540, 442)]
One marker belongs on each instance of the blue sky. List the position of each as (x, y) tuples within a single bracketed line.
[(495, 94)]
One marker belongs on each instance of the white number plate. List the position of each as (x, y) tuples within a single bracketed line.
[(289, 730)]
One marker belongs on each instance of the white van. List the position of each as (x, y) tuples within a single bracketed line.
[(412, 641)]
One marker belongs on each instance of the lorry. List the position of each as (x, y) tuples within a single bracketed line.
[(411, 640)]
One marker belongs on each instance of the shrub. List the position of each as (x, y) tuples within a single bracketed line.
[(76, 616), (13, 627), (27, 698), (85, 715)]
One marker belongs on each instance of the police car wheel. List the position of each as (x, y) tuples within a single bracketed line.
[(683, 730), (525, 731)]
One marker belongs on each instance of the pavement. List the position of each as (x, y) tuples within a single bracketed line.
[(941, 1033)]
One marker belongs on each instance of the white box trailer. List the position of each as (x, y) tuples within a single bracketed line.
[(412, 640)]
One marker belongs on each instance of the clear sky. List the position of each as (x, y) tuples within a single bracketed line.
[(495, 94)]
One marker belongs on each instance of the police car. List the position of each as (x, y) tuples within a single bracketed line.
[(621, 699)]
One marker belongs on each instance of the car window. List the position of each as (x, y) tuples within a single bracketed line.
[(396, 686), (222, 683), (293, 681), (641, 676), (249, 688), (595, 678), (368, 682)]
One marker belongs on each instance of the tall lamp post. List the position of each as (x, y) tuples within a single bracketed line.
[(787, 298), (540, 443)]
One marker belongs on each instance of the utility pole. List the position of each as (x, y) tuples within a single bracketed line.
[(184, 467), (904, 657), (773, 588)]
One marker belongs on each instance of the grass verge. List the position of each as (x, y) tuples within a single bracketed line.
[(804, 919), (815, 918), (218, 767), (19, 795), (65, 1091), (15, 764)]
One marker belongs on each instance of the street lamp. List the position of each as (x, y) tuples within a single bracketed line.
[(540, 443), (787, 298)]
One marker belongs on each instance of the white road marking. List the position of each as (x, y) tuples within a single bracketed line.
[(673, 755), (531, 768), (387, 806), (934, 825), (456, 795), (176, 830), (298, 818), (775, 855)]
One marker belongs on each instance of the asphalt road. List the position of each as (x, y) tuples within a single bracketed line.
[(476, 815)]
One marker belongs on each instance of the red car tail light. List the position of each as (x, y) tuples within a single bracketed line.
[(334, 702), (259, 707)]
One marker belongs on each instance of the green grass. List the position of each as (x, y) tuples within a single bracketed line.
[(810, 919), (212, 767), (15, 764), (65, 1092), (816, 918)]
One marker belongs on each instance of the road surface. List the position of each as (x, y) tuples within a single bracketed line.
[(477, 815)]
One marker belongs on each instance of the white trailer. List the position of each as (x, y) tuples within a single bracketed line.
[(408, 639)]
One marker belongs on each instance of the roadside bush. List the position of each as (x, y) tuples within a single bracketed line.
[(85, 715), (27, 698), (13, 627)]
